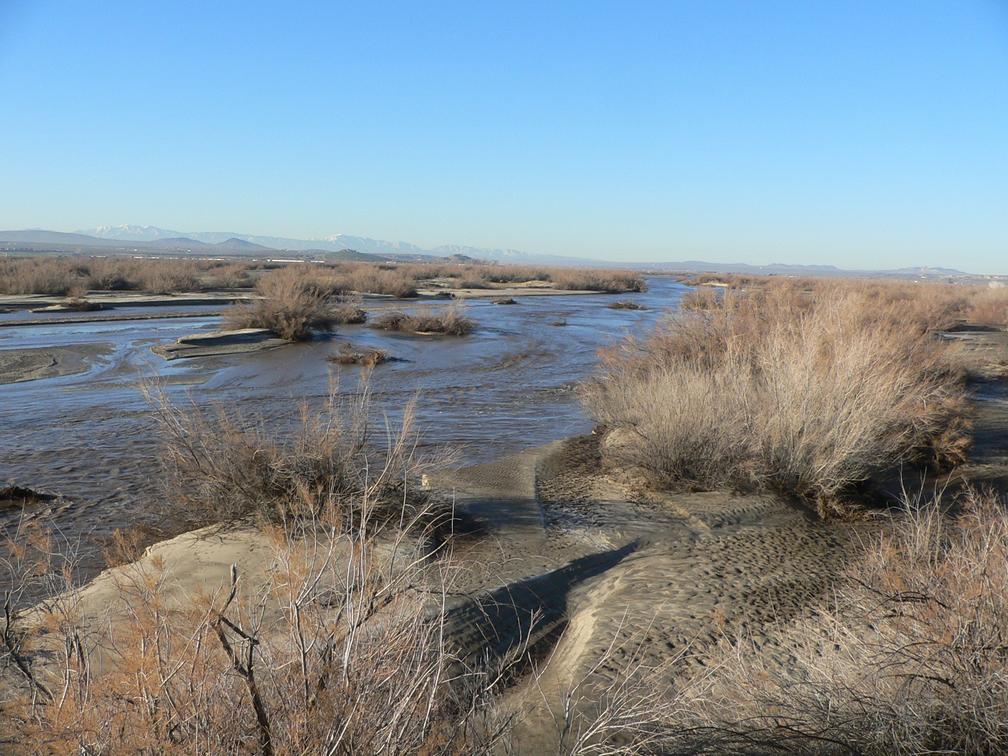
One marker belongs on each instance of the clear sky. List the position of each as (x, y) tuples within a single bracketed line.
[(862, 133)]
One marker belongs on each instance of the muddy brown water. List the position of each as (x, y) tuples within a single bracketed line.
[(510, 385)]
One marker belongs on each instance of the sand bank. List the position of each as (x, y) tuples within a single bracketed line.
[(238, 341), (114, 299), (17, 365)]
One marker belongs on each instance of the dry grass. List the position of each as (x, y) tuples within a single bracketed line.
[(990, 307), (448, 321), (908, 657), (807, 392)]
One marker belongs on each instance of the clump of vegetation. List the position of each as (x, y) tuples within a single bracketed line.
[(291, 305), (505, 301), (625, 305), (348, 355), (449, 321), (990, 307), (223, 467), (809, 393), (77, 300), (592, 279), (56, 275), (348, 312), (700, 298), (906, 657), (330, 648)]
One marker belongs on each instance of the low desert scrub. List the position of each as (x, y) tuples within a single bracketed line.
[(700, 298), (810, 396), (907, 657), (56, 275), (336, 646), (990, 307), (224, 467), (593, 279), (348, 312), (448, 321), (290, 303)]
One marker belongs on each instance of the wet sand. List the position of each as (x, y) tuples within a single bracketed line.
[(19, 365), (216, 343)]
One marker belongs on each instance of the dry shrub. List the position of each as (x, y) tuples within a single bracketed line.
[(990, 307), (126, 545), (292, 304), (58, 275), (223, 467), (808, 394), (625, 305), (334, 648), (448, 321), (909, 657), (371, 279), (594, 279), (701, 298), (367, 357), (348, 313)]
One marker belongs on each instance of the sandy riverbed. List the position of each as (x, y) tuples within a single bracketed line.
[(17, 365)]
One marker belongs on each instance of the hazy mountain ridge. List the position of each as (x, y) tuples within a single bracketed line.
[(127, 238)]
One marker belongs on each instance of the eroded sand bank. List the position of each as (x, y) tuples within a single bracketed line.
[(17, 365)]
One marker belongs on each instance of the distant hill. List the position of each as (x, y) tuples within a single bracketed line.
[(131, 239), (241, 245)]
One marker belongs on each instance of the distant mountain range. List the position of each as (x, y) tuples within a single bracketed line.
[(129, 238)]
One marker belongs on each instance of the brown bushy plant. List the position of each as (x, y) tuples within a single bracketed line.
[(291, 304), (448, 321), (807, 392), (330, 646), (225, 467)]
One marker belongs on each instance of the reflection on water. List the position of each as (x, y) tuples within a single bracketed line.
[(508, 386)]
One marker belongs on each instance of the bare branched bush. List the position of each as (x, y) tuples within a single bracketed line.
[(807, 393), (335, 645)]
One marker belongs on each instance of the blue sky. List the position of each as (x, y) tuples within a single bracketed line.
[(864, 134)]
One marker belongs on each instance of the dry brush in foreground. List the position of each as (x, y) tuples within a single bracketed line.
[(908, 657)]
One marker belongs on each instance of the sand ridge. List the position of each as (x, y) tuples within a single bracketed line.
[(17, 365)]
